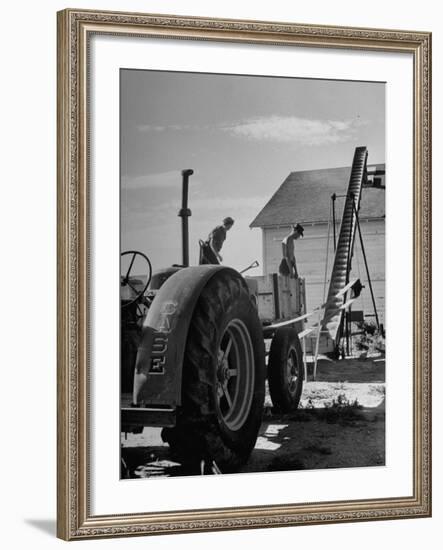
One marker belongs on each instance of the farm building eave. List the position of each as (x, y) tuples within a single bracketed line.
[(315, 222), (305, 197)]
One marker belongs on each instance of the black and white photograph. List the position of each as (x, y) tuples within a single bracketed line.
[(223, 215), (252, 273)]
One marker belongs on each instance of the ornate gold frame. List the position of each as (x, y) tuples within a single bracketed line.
[(74, 29)]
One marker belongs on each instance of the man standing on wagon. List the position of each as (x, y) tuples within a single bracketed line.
[(288, 265), (210, 251)]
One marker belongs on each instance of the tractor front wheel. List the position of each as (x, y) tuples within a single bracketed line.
[(223, 382)]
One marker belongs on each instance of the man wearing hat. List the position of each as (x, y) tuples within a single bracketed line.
[(288, 266), (210, 253)]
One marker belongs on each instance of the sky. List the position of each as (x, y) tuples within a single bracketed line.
[(242, 136)]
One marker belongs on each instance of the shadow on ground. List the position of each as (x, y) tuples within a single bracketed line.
[(353, 370), (340, 424), (319, 438)]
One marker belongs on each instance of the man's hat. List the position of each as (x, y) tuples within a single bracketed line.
[(228, 221), (298, 228)]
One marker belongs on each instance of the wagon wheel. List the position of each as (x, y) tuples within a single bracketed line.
[(285, 370), (125, 282)]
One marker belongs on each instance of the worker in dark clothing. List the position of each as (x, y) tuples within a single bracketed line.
[(210, 249), (288, 265)]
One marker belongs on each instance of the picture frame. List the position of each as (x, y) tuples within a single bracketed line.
[(76, 212)]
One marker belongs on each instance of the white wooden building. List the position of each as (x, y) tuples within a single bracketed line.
[(305, 197)]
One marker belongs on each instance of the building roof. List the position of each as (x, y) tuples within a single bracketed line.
[(306, 197)]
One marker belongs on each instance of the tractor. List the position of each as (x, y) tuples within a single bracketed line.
[(197, 344)]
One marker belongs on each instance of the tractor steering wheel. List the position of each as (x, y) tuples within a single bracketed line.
[(126, 283)]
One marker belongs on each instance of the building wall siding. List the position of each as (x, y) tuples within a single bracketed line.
[(310, 253)]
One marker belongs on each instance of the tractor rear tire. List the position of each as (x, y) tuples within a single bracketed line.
[(285, 370), (223, 383)]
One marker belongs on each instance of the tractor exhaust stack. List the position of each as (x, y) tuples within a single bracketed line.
[(184, 214)]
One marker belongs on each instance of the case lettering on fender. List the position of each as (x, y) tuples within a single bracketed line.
[(159, 348), (167, 311)]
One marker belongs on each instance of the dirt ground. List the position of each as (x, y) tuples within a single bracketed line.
[(340, 424)]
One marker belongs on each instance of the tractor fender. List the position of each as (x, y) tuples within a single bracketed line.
[(158, 366)]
